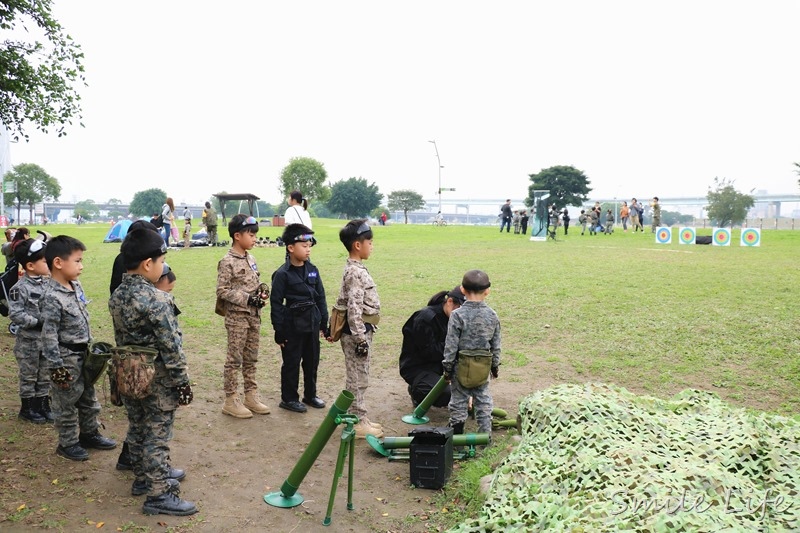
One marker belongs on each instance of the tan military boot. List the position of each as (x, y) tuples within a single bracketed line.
[(363, 429), (233, 407), (253, 402), (369, 422)]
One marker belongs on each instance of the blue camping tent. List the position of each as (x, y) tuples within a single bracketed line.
[(118, 231)]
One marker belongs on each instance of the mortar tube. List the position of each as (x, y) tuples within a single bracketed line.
[(467, 439), (432, 396), (318, 442)]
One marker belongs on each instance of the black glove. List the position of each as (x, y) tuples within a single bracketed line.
[(326, 331), (60, 376), (185, 395), (495, 371), (448, 373), (280, 338), (362, 349), (255, 300)]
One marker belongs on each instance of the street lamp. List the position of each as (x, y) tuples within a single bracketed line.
[(440, 174)]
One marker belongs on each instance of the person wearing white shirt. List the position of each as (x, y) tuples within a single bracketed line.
[(297, 214)]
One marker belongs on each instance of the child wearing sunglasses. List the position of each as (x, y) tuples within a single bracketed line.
[(300, 317), (23, 310), (360, 297), (240, 297)]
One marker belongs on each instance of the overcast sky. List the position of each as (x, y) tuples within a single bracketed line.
[(647, 98)]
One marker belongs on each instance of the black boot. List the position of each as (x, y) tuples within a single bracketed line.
[(140, 487), (458, 429), (124, 461), (74, 453), (26, 411), (168, 503), (97, 441), (43, 407)]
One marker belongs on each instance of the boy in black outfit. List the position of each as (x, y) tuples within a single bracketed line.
[(299, 316)]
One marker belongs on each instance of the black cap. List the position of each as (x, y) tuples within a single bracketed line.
[(457, 295)]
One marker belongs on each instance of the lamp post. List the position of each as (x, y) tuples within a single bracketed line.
[(440, 174)]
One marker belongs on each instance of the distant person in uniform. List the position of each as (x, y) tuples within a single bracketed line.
[(210, 221), (656, 213), (506, 215)]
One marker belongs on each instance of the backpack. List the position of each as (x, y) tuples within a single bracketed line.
[(159, 221)]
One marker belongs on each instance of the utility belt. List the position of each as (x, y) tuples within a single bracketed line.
[(473, 368), (79, 347)]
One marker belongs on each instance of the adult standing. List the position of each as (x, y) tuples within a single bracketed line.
[(656, 213), (421, 356), (624, 213), (297, 212), (506, 214), (168, 216), (565, 218), (637, 212), (210, 221)]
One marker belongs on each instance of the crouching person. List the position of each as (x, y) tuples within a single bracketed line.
[(65, 341), (145, 323)]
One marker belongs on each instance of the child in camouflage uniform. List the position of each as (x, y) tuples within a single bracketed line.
[(471, 353), (23, 310), (144, 316), (65, 340), (240, 297), (360, 297)]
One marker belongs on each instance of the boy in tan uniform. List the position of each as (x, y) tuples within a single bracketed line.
[(240, 297), (360, 297)]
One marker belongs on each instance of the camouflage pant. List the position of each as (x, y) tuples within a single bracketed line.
[(34, 374), (481, 402), (357, 372), (212, 234), (149, 432), (76, 408), (243, 337), (187, 234)]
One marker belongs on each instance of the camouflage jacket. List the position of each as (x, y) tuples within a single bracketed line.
[(24, 299), (64, 320), (359, 296), (145, 316), (473, 326), (237, 279)]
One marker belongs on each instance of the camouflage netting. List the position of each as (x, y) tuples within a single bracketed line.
[(599, 458)]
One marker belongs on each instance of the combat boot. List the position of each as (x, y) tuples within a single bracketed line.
[(43, 407), (370, 423), (458, 429), (252, 401), (124, 462), (363, 429), (74, 453), (233, 407), (168, 503), (26, 411), (97, 441)]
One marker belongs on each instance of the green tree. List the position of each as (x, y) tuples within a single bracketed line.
[(114, 201), (674, 218), (38, 79), (87, 209), (148, 202), (306, 175), (405, 200), (726, 206), (32, 185), (567, 186), (354, 197)]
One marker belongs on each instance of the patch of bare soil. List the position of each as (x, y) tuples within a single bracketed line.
[(232, 463)]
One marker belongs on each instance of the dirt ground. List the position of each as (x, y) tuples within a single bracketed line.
[(232, 463)]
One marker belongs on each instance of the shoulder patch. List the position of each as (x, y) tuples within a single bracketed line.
[(13, 294)]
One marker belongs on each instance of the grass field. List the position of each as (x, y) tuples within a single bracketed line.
[(621, 309)]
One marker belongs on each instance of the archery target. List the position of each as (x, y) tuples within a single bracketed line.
[(721, 237), (663, 235), (751, 237), (687, 236)]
